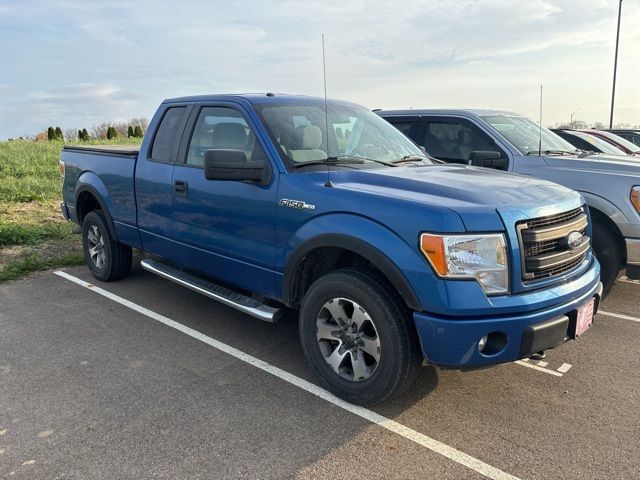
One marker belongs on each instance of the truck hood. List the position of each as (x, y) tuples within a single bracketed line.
[(601, 164), (475, 194)]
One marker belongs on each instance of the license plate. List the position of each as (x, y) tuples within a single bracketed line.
[(585, 317)]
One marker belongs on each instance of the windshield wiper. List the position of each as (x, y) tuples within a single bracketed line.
[(551, 152), (586, 153), (342, 160), (409, 158)]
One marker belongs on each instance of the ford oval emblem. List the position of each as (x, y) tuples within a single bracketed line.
[(574, 240)]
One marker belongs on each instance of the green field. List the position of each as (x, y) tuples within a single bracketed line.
[(33, 234)]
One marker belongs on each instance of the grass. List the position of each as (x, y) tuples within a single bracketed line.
[(33, 234)]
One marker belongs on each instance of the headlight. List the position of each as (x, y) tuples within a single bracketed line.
[(635, 198), (482, 257)]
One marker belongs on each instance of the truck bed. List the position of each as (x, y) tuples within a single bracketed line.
[(119, 150)]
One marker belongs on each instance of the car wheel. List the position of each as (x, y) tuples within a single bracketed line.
[(107, 259), (358, 336), (609, 255)]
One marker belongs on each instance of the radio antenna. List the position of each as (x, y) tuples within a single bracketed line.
[(540, 126), (328, 183)]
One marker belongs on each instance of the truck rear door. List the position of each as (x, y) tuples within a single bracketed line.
[(154, 179)]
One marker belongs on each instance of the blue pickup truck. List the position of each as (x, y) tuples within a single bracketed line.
[(268, 202)]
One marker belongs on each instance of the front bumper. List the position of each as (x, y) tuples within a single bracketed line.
[(633, 258), (453, 342)]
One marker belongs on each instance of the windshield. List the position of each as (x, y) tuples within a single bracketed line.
[(525, 135), (300, 130), (599, 143), (624, 142)]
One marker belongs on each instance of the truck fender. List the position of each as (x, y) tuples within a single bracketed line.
[(347, 232), (604, 206), (91, 183)]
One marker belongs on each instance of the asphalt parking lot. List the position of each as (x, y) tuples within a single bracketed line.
[(146, 379)]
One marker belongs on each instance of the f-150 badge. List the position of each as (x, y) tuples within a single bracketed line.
[(286, 202)]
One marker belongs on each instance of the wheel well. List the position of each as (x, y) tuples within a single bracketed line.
[(598, 216), (321, 261), (86, 203)]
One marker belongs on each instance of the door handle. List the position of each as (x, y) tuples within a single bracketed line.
[(180, 188)]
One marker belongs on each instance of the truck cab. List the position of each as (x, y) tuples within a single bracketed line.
[(510, 142), (271, 203)]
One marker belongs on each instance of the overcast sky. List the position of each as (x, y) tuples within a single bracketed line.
[(79, 63)]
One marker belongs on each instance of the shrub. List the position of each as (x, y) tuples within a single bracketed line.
[(111, 133), (85, 135), (129, 131), (137, 132), (51, 133), (58, 134)]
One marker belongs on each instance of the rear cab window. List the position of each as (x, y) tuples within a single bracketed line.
[(167, 137)]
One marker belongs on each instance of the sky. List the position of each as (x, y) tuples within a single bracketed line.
[(79, 63)]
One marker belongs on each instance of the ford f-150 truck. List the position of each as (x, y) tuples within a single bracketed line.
[(267, 202), (508, 141)]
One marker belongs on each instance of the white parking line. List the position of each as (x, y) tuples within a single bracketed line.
[(384, 422), (618, 315), (525, 363), (564, 368)]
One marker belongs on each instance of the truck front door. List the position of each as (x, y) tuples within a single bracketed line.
[(225, 229)]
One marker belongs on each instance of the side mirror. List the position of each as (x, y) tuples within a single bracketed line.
[(234, 165), (488, 159)]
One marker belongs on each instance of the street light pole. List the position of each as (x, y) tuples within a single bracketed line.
[(572, 114), (615, 65)]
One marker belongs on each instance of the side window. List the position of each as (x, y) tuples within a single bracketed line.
[(578, 142), (167, 135), (404, 127), (455, 140), (219, 128)]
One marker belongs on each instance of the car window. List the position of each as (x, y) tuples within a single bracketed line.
[(525, 135), (167, 135), (219, 128), (454, 140), (404, 127), (307, 132)]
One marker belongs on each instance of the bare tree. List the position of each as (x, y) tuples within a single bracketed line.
[(100, 131)]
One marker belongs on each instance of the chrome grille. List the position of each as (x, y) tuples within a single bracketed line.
[(545, 246)]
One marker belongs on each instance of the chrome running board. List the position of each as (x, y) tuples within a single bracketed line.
[(225, 295)]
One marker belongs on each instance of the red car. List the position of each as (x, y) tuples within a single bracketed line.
[(625, 145)]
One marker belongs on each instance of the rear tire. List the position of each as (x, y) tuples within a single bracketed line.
[(358, 336), (609, 255), (107, 259)]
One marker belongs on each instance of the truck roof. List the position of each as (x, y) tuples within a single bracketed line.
[(255, 98), (448, 111)]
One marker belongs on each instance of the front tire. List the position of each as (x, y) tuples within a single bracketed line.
[(609, 255), (107, 259), (357, 335)]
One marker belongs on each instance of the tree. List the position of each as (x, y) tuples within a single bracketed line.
[(85, 134), (111, 133), (137, 132), (130, 131), (51, 133), (58, 134), (80, 135)]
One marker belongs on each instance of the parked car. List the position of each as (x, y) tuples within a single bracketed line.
[(510, 142), (628, 134), (587, 142), (625, 145), (270, 201)]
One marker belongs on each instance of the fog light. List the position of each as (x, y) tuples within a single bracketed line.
[(493, 343)]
